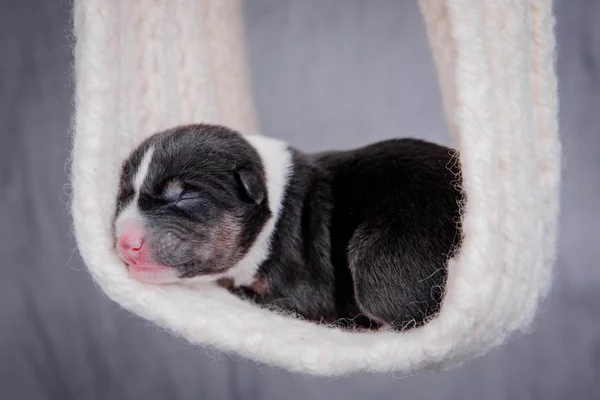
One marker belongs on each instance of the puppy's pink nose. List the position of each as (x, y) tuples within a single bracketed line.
[(131, 248)]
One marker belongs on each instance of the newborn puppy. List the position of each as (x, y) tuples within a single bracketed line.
[(360, 237)]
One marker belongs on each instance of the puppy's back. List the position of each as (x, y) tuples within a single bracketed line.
[(395, 222)]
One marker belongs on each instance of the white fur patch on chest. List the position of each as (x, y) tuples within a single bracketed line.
[(277, 163)]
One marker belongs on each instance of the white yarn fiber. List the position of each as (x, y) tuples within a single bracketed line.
[(145, 66)]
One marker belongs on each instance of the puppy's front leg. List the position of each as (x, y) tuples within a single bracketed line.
[(253, 293)]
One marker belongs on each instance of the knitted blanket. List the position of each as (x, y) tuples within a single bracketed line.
[(143, 66)]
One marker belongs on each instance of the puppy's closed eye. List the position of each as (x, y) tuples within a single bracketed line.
[(175, 194)]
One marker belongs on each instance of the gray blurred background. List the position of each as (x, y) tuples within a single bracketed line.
[(326, 74)]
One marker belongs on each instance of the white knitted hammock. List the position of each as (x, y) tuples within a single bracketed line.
[(146, 66)]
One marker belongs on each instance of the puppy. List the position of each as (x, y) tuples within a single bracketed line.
[(358, 237)]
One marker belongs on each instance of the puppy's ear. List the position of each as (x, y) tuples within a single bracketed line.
[(251, 184)]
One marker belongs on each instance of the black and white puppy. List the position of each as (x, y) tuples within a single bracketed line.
[(360, 237)]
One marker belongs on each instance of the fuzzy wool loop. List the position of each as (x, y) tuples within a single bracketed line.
[(145, 66)]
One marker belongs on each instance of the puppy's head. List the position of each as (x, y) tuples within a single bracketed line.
[(191, 202)]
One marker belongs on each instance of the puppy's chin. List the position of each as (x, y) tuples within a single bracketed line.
[(158, 274), (153, 273)]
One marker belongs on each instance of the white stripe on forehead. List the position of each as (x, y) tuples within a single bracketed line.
[(141, 172)]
